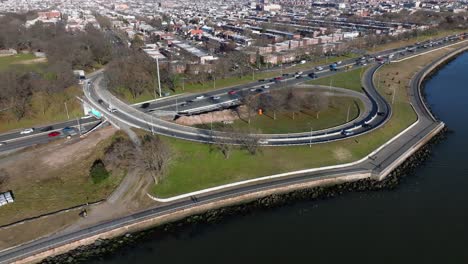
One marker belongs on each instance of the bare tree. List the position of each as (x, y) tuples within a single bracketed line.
[(155, 156)]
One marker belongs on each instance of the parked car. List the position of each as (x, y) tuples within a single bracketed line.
[(27, 131), (53, 134)]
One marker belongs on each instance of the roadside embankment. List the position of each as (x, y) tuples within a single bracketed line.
[(102, 247)]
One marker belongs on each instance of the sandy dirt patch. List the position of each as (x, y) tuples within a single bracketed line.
[(33, 61), (80, 149), (342, 154)]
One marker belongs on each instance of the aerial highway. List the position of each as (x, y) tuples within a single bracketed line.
[(380, 160)]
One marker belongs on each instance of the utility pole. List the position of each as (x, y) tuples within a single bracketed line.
[(393, 96), (253, 74), (159, 79), (183, 84), (214, 82), (66, 109)]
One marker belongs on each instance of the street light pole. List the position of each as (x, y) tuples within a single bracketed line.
[(159, 79), (79, 126), (66, 109), (347, 116), (310, 140)]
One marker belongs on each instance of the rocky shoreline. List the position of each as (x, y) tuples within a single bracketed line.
[(105, 247)]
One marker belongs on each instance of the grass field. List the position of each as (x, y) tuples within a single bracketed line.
[(56, 176), (303, 121), (350, 80), (198, 166), (7, 61)]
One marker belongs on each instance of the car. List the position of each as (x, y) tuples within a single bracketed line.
[(111, 109), (259, 90), (263, 141), (285, 74), (298, 76), (318, 68), (216, 97), (253, 90), (299, 73), (339, 62), (261, 80), (53, 134), (47, 128), (380, 113), (346, 133), (232, 92), (2, 144), (366, 125), (313, 75), (278, 78), (265, 86), (145, 105), (86, 117), (27, 131), (67, 129), (200, 97)]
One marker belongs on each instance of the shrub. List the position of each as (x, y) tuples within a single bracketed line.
[(98, 172)]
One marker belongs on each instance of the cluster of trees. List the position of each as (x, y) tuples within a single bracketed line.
[(153, 156), (245, 139), (65, 51), (292, 101), (81, 50), (19, 86)]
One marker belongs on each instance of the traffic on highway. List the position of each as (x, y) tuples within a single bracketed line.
[(145, 116)]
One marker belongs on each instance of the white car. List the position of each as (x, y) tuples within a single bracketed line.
[(216, 97), (253, 90), (200, 97), (27, 131), (266, 86), (263, 141), (112, 110), (339, 62), (318, 68), (2, 144)]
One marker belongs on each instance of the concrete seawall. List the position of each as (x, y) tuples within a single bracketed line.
[(244, 198)]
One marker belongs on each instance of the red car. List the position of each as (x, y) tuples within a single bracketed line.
[(53, 134), (232, 92)]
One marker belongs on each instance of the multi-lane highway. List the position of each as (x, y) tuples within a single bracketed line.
[(381, 159), (40, 135)]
